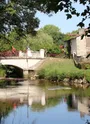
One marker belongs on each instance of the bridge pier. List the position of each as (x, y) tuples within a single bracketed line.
[(29, 74), (25, 73)]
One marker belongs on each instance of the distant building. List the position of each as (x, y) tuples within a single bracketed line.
[(79, 46)]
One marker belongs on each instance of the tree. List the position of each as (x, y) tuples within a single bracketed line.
[(12, 39), (55, 33), (18, 15), (50, 6), (40, 41)]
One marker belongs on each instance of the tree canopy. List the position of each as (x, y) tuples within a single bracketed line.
[(18, 15), (55, 33), (50, 6)]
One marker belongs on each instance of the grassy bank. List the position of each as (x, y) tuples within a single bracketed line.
[(59, 69), (2, 72)]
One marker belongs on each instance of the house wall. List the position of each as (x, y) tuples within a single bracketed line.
[(88, 45), (73, 47), (78, 46), (81, 46)]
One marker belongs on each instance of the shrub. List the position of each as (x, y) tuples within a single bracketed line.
[(41, 74), (2, 72), (58, 70), (87, 75)]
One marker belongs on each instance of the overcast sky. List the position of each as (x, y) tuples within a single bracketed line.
[(60, 20)]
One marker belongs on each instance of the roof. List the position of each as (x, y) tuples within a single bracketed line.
[(81, 32)]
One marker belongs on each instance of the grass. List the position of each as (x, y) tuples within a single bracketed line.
[(58, 69), (2, 72)]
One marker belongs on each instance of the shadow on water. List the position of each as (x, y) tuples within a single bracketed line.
[(10, 83)]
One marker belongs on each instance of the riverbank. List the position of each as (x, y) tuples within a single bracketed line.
[(64, 70)]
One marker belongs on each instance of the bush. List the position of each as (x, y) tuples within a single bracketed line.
[(41, 74), (87, 75), (59, 70), (54, 50), (76, 74), (2, 72)]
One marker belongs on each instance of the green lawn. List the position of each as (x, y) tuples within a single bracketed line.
[(58, 69)]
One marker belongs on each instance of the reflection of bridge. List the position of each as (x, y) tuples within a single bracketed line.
[(25, 93), (25, 63)]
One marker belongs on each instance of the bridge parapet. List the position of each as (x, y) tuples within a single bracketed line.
[(28, 61), (28, 54), (32, 54)]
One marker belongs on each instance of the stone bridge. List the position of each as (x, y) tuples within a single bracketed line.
[(26, 63)]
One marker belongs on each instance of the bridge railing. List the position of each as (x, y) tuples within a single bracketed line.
[(28, 53), (32, 54)]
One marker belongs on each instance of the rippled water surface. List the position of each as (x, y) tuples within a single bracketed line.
[(33, 103)]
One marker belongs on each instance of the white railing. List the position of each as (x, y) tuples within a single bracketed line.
[(32, 54)]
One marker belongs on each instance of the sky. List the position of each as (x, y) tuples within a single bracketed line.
[(60, 20)]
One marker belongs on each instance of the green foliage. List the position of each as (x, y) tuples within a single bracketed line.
[(4, 45), (76, 74), (59, 70), (12, 39), (85, 65), (2, 72), (41, 40), (87, 75), (55, 50), (50, 6), (55, 33), (41, 74), (18, 15)]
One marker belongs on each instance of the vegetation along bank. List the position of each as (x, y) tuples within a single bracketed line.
[(65, 72)]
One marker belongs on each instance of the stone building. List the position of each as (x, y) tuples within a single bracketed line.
[(79, 46)]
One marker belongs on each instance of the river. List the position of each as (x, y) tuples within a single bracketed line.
[(32, 102)]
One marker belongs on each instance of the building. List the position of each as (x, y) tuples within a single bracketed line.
[(79, 46)]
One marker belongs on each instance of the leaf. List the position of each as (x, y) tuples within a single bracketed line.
[(84, 13), (69, 16), (88, 8), (81, 24), (78, 14), (66, 10)]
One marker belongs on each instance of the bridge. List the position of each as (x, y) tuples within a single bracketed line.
[(26, 62)]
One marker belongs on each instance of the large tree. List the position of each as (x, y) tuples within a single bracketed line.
[(40, 41), (18, 15), (55, 33)]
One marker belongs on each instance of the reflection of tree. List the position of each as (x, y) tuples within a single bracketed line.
[(5, 108), (50, 102)]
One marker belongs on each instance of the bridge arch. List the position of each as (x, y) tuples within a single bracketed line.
[(22, 63), (13, 71)]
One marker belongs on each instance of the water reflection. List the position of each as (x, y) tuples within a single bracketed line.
[(32, 104), (77, 103)]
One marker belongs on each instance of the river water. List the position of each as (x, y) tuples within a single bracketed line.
[(32, 102)]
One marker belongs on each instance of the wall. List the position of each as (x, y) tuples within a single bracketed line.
[(22, 63), (73, 46), (81, 46), (88, 45)]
